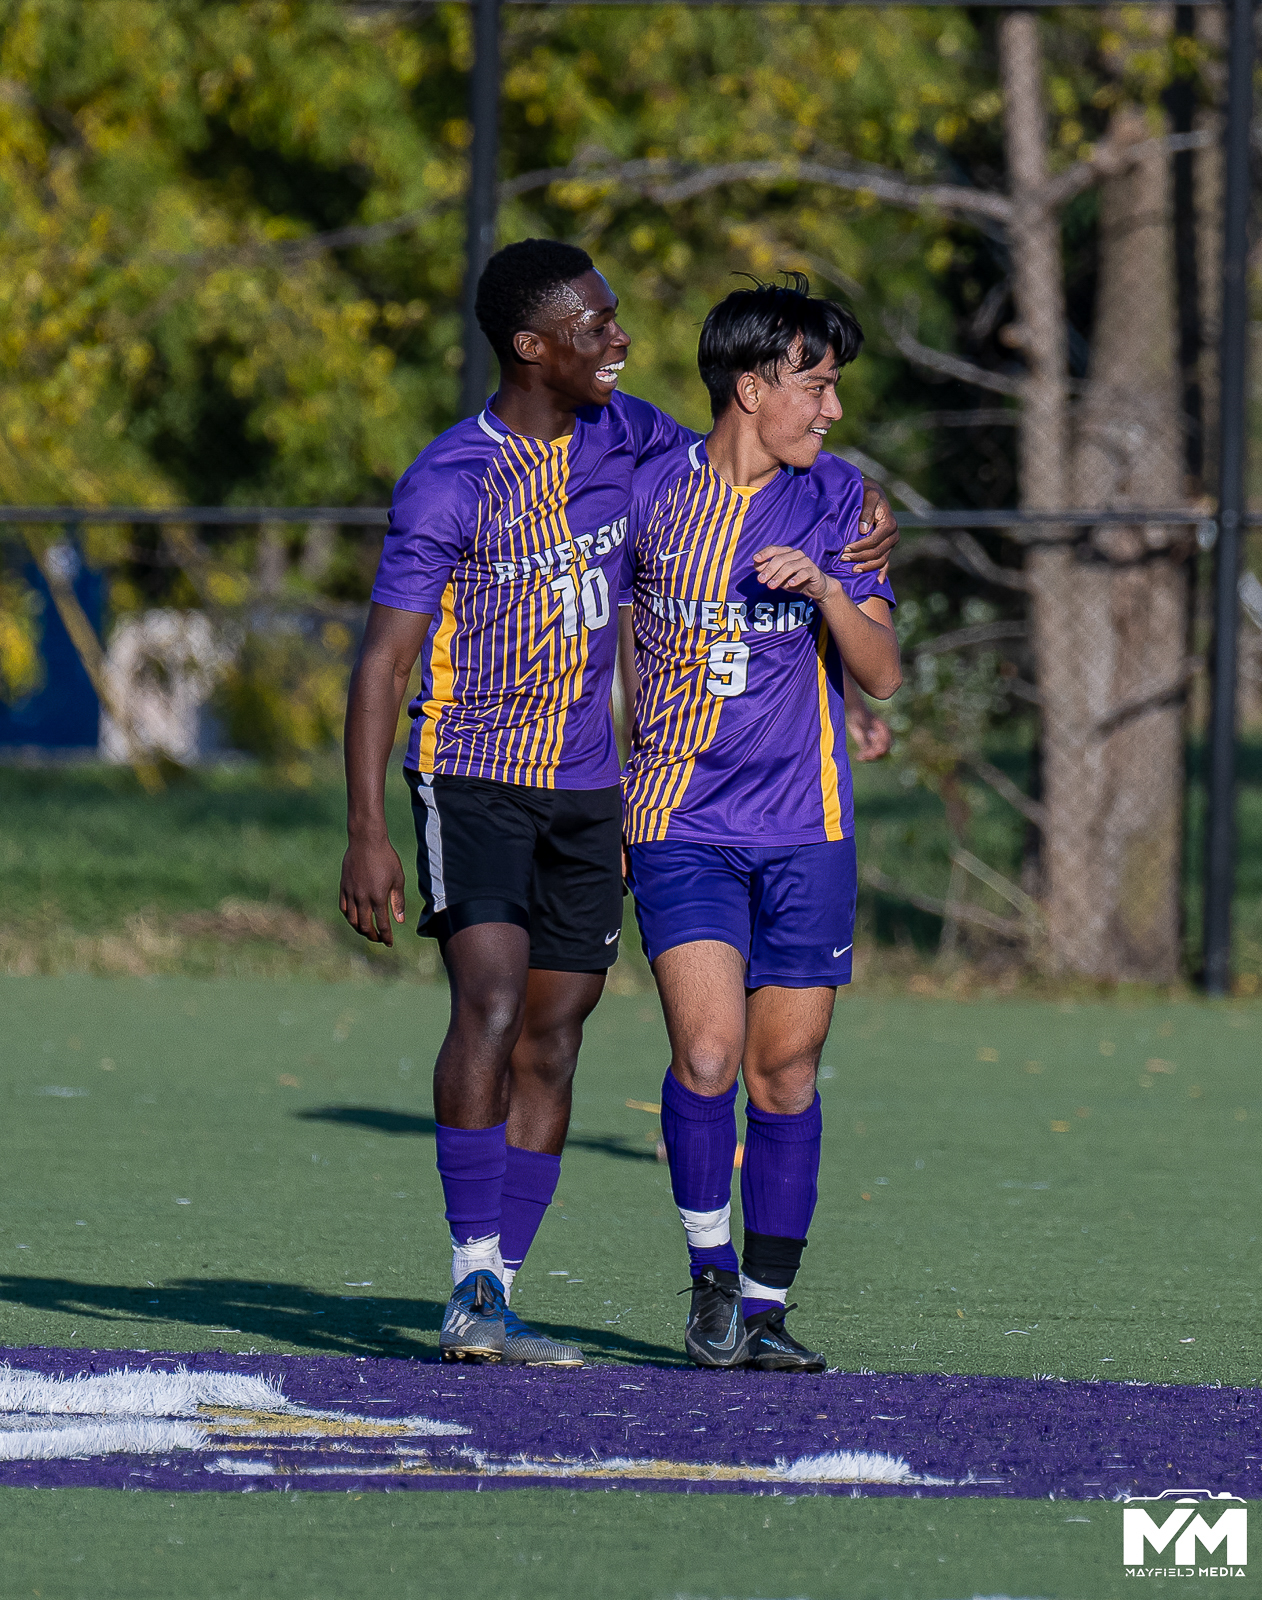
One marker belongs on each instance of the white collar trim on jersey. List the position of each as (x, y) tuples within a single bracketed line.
[(487, 429), (692, 454)]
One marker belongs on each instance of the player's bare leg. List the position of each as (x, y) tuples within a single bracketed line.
[(542, 1065), (487, 969), (785, 1033), (785, 1030), (715, 1025), (541, 1074), (702, 989), (502, 1089)]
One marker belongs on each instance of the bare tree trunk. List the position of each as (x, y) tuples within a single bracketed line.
[(1107, 622), (1038, 288), (1129, 453)]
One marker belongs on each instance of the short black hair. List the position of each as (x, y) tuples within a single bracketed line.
[(517, 283), (756, 330)]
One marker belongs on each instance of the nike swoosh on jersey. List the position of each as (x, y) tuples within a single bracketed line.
[(675, 554), (842, 951)]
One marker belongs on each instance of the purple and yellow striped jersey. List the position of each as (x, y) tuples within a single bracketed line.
[(740, 729), (515, 546)]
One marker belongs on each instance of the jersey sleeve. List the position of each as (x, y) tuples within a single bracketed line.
[(654, 431), (859, 586), (430, 518)]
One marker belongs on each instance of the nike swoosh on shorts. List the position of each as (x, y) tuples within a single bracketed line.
[(610, 937), (842, 951)]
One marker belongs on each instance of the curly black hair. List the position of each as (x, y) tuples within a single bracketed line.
[(754, 330), (517, 283)]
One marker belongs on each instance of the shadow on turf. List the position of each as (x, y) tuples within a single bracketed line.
[(621, 1146), (288, 1314)]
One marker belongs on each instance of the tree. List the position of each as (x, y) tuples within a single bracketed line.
[(1108, 616)]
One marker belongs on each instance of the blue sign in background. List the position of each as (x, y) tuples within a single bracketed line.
[(64, 713)]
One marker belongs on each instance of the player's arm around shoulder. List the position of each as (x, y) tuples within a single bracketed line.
[(863, 632)]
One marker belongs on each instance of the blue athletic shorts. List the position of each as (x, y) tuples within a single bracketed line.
[(788, 909)]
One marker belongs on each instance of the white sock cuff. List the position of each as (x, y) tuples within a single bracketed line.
[(476, 1255), (706, 1229), (761, 1291)]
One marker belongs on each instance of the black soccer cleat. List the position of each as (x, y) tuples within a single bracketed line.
[(768, 1348), (715, 1335)]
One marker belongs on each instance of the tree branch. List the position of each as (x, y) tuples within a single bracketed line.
[(1006, 927), (969, 638), (1109, 159), (965, 552), (963, 371), (960, 547), (1003, 887), (954, 198), (668, 182), (1003, 785), (872, 468), (1150, 698)]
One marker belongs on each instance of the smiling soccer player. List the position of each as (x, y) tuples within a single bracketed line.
[(501, 569), (738, 813)]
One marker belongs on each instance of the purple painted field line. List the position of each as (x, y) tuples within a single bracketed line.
[(1005, 1437)]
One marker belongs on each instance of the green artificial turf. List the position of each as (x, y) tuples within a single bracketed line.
[(249, 1166), (528, 1544), (182, 1157)]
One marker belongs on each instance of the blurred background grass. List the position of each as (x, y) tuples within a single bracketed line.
[(233, 871)]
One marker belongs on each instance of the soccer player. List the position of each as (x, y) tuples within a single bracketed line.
[(737, 795), (501, 569)]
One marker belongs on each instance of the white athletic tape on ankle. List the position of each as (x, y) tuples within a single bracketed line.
[(706, 1229), (761, 1291)]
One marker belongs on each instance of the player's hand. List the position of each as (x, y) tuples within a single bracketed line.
[(878, 533), (372, 890), (778, 566), (873, 737)]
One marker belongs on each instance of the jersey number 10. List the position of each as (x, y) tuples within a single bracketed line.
[(728, 664), (591, 592)]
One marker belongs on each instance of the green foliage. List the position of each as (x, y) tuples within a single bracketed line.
[(169, 330), (159, 165), (21, 669), (284, 695), (950, 704)]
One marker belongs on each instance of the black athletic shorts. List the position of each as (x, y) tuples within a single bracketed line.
[(548, 860)]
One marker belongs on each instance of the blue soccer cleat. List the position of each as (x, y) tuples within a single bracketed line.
[(524, 1347), (473, 1323)]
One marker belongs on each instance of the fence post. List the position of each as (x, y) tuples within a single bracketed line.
[(1220, 842), (484, 105)]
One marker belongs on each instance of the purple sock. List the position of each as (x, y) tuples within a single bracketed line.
[(779, 1188), (699, 1132), (530, 1181), (471, 1165)]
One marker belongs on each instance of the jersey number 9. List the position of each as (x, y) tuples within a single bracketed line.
[(728, 662), (591, 592)]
